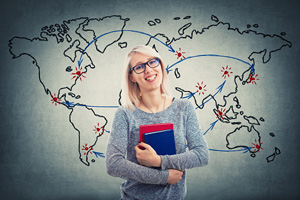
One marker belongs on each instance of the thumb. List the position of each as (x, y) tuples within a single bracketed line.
[(146, 146)]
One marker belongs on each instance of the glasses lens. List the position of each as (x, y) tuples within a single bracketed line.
[(139, 68), (153, 62)]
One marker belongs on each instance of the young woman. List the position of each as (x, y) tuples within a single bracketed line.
[(145, 100)]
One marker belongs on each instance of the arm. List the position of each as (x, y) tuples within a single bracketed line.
[(116, 162), (149, 158), (197, 155)]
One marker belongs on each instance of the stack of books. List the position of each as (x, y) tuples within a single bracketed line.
[(160, 137)]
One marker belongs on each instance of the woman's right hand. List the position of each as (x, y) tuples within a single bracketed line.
[(174, 176)]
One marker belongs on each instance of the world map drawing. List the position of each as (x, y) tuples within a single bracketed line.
[(213, 66)]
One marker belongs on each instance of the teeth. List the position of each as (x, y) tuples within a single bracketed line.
[(151, 78)]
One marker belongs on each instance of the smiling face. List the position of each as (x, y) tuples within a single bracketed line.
[(151, 78)]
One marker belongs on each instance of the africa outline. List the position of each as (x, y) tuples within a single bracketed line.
[(77, 41)]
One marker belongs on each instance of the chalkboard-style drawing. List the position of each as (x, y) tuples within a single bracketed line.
[(251, 120), (151, 23), (212, 125), (66, 43), (237, 103), (69, 69), (157, 20), (78, 74), (244, 136), (231, 114), (211, 97), (177, 73), (99, 154), (242, 149), (76, 43), (253, 78), (87, 131), (55, 100), (179, 54), (214, 18), (201, 88), (99, 130), (257, 145), (226, 72), (87, 149), (185, 94), (187, 17), (271, 157), (122, 45), (220, 113), (182, 29)]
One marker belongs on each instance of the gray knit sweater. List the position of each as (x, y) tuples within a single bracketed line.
[(151, 183)]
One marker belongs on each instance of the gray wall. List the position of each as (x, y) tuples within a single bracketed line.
[(42, 154)]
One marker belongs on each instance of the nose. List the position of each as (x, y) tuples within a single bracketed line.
[(148, 69)]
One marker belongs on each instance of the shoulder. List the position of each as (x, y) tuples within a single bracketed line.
[(121, 112), (183, 103)]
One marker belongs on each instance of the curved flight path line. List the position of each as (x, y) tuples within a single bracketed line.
[(212, 55), (69, 104), (170, 48), (220, 88), (212, 125), (99, 154), (244, 149)]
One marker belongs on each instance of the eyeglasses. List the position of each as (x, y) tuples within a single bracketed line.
[(140, 68)]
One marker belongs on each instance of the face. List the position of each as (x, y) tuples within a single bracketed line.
[(151, 78)]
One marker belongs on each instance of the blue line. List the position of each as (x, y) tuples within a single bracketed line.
[(102, 106), (72, 104), (212, 125), (215, 55), (220, 88), (170, 47), (244, 149)]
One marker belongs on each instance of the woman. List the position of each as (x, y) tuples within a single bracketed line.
[(145, 100)]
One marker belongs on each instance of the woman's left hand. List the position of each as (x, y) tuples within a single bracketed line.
[(147, 157)]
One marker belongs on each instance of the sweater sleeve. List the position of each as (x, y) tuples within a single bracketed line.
[(116, 163), (198, 155)]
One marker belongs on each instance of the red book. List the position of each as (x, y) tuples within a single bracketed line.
[(153, 128)]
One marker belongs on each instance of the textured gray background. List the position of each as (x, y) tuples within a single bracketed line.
[(39, 158)]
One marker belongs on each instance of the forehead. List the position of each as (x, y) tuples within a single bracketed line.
[(138, 58)]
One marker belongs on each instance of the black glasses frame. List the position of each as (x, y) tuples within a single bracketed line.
[(144, 65)]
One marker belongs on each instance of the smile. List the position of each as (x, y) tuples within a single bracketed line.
[(151, 78)]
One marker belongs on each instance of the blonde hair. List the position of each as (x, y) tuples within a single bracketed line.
[(131, 90)]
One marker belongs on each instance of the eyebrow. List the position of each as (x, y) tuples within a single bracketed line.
[(138, 63)]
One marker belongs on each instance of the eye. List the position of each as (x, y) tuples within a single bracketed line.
[(153, 61), (139, 67)]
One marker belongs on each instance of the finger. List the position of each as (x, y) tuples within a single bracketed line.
[(146, 146), (137, 148)]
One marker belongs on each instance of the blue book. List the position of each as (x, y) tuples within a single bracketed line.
[(162, 142)]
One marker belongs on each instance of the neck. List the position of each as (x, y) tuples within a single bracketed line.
[(153, 101)]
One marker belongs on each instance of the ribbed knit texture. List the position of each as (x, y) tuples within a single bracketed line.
[(151, 183)]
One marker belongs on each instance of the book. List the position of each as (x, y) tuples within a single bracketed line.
[(152, 128), (162, 142)]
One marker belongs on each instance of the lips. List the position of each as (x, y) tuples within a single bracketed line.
[(151, 78)]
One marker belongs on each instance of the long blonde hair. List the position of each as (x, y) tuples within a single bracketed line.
[(131, 90)]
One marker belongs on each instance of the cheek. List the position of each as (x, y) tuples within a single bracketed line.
[(132, 78), (160, 72)]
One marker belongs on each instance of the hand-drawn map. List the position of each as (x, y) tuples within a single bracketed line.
[(212, 66)]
